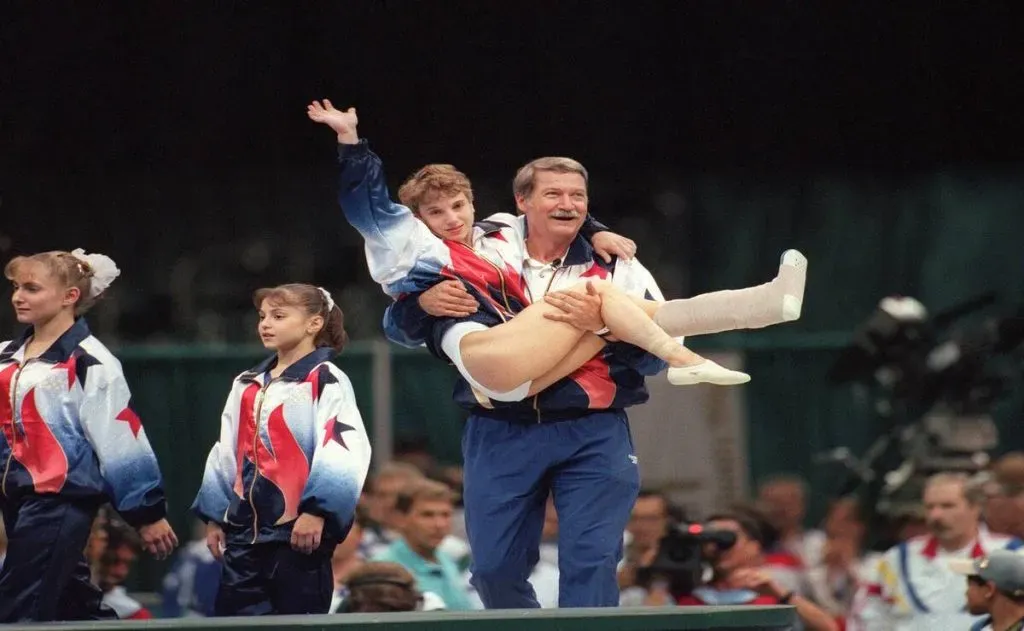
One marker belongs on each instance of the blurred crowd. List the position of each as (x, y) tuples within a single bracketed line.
[(407, 549)]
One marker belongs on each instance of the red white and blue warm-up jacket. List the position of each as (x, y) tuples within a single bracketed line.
[(69, 428), (405, 258), (288, 445)]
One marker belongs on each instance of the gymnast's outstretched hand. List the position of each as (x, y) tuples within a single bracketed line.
[(343, 123)]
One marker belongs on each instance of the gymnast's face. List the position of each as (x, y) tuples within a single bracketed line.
[(38, 294), (282, 327), (449, 217)]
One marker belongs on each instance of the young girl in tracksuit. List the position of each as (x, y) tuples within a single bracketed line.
[(70, 442), (281, 485)]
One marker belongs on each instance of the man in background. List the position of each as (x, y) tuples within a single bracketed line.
[(914, 588)]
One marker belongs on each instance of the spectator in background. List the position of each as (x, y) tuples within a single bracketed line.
[(113, 566), (740, 577), (913, 586), (1004, 503), (379, 587), (425, 507), (452, 475), (1009, 469), (190, 587), (383, 487), (648, 523), (785, 567), (784, 501), (834, 582)]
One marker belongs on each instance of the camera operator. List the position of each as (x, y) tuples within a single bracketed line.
[(1004, 490), (648, 524), (739, 576)]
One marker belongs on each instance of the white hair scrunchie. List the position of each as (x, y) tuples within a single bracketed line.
[(103, 268), (327, 298)]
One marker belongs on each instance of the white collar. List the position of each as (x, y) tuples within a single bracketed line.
[(532, 262)]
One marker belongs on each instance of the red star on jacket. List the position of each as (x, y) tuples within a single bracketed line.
[(334, 430), (129, 416)]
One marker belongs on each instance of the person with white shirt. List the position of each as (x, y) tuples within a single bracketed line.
[(914, 588)]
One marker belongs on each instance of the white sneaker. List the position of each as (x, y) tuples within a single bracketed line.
[(706, 372)]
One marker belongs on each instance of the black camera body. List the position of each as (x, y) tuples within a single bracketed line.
[(934, 387), (683, 555)]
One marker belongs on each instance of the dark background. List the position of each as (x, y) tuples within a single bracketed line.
[(172, 135)]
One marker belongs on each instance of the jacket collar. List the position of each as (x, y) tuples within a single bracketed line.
[(489, 226), (60, 350), (931, 548), (297, 371)]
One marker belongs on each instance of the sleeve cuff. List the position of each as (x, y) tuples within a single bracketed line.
[(353, 151), (145, 515)]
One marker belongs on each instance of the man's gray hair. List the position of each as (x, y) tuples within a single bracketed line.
[(523, 183), (974, 491)]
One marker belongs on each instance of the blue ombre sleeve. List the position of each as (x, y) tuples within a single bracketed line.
[(126, 459), (341, 455), (406, 323), (401, 252), (217, 488)]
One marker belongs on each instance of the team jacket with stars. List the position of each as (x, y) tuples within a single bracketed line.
[(69, 428), (288, 445)]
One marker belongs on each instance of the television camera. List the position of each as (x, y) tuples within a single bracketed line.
[(933, 388), (683, 557)]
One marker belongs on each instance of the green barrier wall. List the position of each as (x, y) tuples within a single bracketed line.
[(648, 619)]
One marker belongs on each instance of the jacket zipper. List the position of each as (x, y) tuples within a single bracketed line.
[(14, 426), (256, 458)]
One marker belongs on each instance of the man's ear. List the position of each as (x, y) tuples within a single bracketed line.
[(990, 590)]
